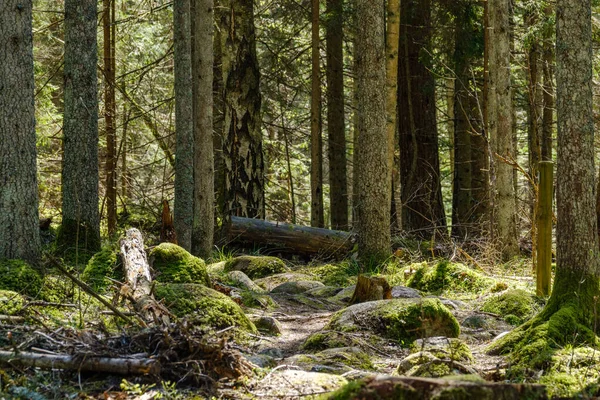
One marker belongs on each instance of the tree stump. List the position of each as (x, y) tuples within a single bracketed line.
[(167, 229), (370, 289), (138, 279)]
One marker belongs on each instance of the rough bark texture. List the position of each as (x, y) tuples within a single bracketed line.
[(577, 272), (500, 120), (110, 111), (374, 169), (19, 231), (202, 71), (242, 148), (317, 217), (422, 208), (548, 90), (80, 218), (184, 124), (371, 288), (391, 67), (338, 185)]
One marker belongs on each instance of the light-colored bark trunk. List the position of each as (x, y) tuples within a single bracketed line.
[(184, 124), (202, 70), (19, 231), (80, 218), (374, 169)]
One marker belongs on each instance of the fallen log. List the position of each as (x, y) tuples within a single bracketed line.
[(139, 281), (289, 238), (121, 366)]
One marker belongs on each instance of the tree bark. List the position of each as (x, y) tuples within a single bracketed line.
[(80, 226), (374, 168), (242, 151), (548, 90), (202, 70), (500, 119), (184, 124), (338, 185), (422, 208), (317, 218), (19, 231)]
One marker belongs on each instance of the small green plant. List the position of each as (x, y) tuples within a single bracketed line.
[(135, 388)]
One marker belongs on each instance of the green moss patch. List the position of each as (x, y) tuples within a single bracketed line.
[(102, 265), (256, 266), (403, 320), (18, 276), (173, 264), (514, 305), (341, 275), (208, 306), (447, 276), (444, 348), (10, 302)]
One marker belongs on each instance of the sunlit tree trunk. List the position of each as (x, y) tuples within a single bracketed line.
[(317, 217), (110, 111), (80, 226), (19, 231)]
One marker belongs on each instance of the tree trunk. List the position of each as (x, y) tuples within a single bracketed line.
[(110, 111), (338, 185), (422, 208), (242, 151), (317, 218), (19, 231), (500, 119), (80, 219), (391, 66), (548, 90), (184, 124), (374, 169), (202, 71)]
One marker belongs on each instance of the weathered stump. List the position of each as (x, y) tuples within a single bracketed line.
[(370, 289)]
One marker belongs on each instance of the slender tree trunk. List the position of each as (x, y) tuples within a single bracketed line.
[(338, 186), (80, 219), (202, 78), (110, 112), (391, 49), (184, 125), (19, 231), (317, 217), (242, 150), (374, 169), (548, 92), (500, 120), (422, 207), (219, 118)]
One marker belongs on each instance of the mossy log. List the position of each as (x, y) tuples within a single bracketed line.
[(123, 366), (370, 288), (290, 238), (138, 279)]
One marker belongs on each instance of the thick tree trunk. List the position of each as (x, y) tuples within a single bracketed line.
[(422, 208), (19, 231), (374, 167), (242, 150), (110, 111), (500, 120), (80, 219), (317, 218), (184, 124), (202, 70), (290, 239), (338, 185)]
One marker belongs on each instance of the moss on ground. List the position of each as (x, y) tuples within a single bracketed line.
[(10, 302), (328, 340), (447, 348), (204, 305), (76, 242), (514, 305), (18, 276), (100, 267), (447, 276), (173, 264), (341, 274), (256, 266), (403, 320)]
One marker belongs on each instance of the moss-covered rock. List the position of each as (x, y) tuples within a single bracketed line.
[(514, 305), (341, 274), (414, 359), (270, 282), (328, 340), (268, 324), (208, 306), (242, 281), (10, 302), (102, 265), (286, 384), (403, 320), (336, 360), (18, 276), (256, 266), (324, 291), (173, 264), (344, 295), (296, 287), (444, 348), (447, 276)]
